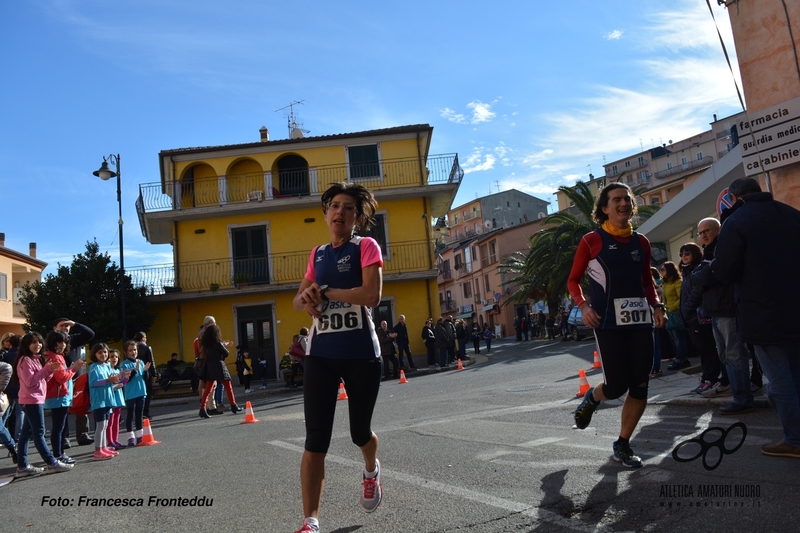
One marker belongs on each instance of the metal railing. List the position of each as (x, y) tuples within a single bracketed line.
[(683, 167), (288, 183), (275, 269)]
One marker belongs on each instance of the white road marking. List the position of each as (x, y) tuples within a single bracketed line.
[(464, 493)]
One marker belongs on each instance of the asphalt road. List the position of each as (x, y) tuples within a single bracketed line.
[(487, 449)]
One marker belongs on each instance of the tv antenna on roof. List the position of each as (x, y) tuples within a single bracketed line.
[(295, 128)]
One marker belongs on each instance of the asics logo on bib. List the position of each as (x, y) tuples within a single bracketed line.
[(632, 304)]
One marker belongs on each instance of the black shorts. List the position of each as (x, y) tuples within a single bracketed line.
[(627, 357), (321, 378)]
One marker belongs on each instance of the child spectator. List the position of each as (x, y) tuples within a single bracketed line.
[(59, 390), (135, 392), (101, 394), (33, 375), (118, 402)]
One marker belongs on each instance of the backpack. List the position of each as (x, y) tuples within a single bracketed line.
[(297, 350), (81, 403)]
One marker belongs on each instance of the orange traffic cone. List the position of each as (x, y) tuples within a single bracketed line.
[(342, 392), (460, 366), (147, 435), (584, 383), (403, 377), (597, 363), (249, 417)]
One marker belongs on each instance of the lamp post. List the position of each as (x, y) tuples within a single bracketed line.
[(105, 173)]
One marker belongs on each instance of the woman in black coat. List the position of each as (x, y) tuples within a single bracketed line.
[(430, 341), (215, 369)]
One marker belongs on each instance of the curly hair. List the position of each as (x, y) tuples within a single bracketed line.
[(53, 338), (366, 205), (672, 272), (602, 201)]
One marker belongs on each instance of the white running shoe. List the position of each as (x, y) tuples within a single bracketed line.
[(373, 494)]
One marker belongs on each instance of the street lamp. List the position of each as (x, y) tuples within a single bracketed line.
[(105, 173)]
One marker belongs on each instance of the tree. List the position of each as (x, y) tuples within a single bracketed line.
[(87, 291), (542, 272)]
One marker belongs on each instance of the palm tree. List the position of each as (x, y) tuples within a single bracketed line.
[(542, 272)]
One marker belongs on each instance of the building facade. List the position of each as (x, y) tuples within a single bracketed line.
[(242, 220), (16, 269), (479, 235)]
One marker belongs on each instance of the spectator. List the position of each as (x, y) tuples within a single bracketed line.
[(386, 340), (550, 326), (451, 339), (402, 340), (676, 329), (430, 341), (79, 337), (10, 418), (243, 370), (476, 338), (487, 338), (461, 337), (755, 229), (442, 341), (145, 353)]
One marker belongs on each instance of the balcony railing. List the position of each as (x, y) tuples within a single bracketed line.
[(474, 214), (257, 187), (683, 167), (275, 269), (448, 305)]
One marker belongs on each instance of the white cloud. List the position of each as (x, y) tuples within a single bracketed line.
[(613, 36), (478, 161), (480, 112), (452, 116)]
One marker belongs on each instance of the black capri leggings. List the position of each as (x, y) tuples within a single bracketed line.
[(321, 378), (627, 357)]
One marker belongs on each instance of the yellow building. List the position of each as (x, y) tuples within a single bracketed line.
[(16, 269), (242, 220)]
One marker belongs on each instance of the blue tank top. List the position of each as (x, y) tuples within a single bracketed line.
[(345, 331), (615, 281)]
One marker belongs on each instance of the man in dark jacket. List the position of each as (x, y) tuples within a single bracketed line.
[(402, 340), (757, 251), (451, 339), (719, 303), (79, 336), (442, 341), (386, 339)]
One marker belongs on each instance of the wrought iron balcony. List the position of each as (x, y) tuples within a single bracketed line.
[(275, 269), (683, 167), (293, 183)]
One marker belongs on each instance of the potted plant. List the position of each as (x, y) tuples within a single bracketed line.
[(241, 280), (214, 287)]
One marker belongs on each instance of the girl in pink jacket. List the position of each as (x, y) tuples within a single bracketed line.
[(33, 374)]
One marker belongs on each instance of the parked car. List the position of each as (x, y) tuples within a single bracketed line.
[(577, 328)]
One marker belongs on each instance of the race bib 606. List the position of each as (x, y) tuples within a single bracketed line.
[(339, 316), (631, 311)]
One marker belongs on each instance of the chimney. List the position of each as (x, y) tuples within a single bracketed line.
[(32, 250), (264, 134), (2, 239)]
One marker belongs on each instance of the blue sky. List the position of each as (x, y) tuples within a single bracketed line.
[(531, 94)]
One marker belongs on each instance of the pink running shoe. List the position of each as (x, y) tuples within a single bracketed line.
[(111, 451), (99, 455)]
